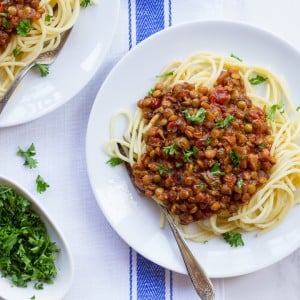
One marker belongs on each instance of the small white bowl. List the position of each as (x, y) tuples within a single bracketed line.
[(64, 265)]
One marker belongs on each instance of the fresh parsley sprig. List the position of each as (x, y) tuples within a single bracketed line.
[(172, 149), (164, 75), (215, 170), (271, 110), (44, 69), (235, 158), (258, 79), (27, 155), (234, 239), (163, 170), (225, 122), (85, 3), (236, 57), (197, 118), (114, 161), (188, 153), (41, 184), (24, 27)]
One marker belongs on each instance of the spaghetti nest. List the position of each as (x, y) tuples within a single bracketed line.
[(44, 35), (216, 142)]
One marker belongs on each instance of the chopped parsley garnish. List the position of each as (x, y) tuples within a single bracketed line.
[(197, 118), (164, 75), (5, 23), (24, 27), (298, 108), (234, 239), (3, 14), (44, 69), (172, 149), (236, 57), (48, 18), (41, 184), (163, 170), (258, 79), (262, 146), (225, 122), (235, 158), (150, 93), (27, 252), (38, 286), (17, 51), (27, 155), (271, 110), (114, 161), (240, 183), (208, 141), (215, 170), (85, 3), (188, 153)]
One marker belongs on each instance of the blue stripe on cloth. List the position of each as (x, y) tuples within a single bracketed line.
[(130, 273), (150, 280), (149, 18)]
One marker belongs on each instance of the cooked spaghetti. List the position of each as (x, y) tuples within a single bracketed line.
[(215, 143), (29, 28)]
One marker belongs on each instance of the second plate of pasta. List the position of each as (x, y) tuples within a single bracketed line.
[(238, 155)]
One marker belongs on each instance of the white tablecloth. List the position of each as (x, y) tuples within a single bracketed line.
[(105, 267)]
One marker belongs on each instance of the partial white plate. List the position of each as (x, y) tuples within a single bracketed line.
[(78, 61), (136, 219), (64, 263)]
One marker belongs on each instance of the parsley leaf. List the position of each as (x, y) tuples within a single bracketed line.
[(234, 239), (5, 23), (225, 122), (208, 141), (215, 170), (27, 252), (262, 146), (4, 14), (163, 170), (17, 51), (188, 153), (172, 149), (150, 93), (48, 18), (298, 108), (235, 158), (164, 75), (197, 118), (240, 183), (271, 110), (41, 184), (44, 69), (114, 161), (29, 161), (85, 3), (236, 57), (257, 80), (24, 27)]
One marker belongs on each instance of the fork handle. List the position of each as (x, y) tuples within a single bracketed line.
[(202, 284), (14, 85)]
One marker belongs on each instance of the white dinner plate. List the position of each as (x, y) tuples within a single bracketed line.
[(136, 219), (78, 61)]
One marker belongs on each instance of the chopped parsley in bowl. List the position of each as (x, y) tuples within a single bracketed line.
[(34, 258)]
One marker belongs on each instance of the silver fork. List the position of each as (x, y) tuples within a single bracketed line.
[(202, 284), (46, 58)]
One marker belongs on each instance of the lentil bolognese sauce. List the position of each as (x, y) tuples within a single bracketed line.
[(204, 148), (218, 151)]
